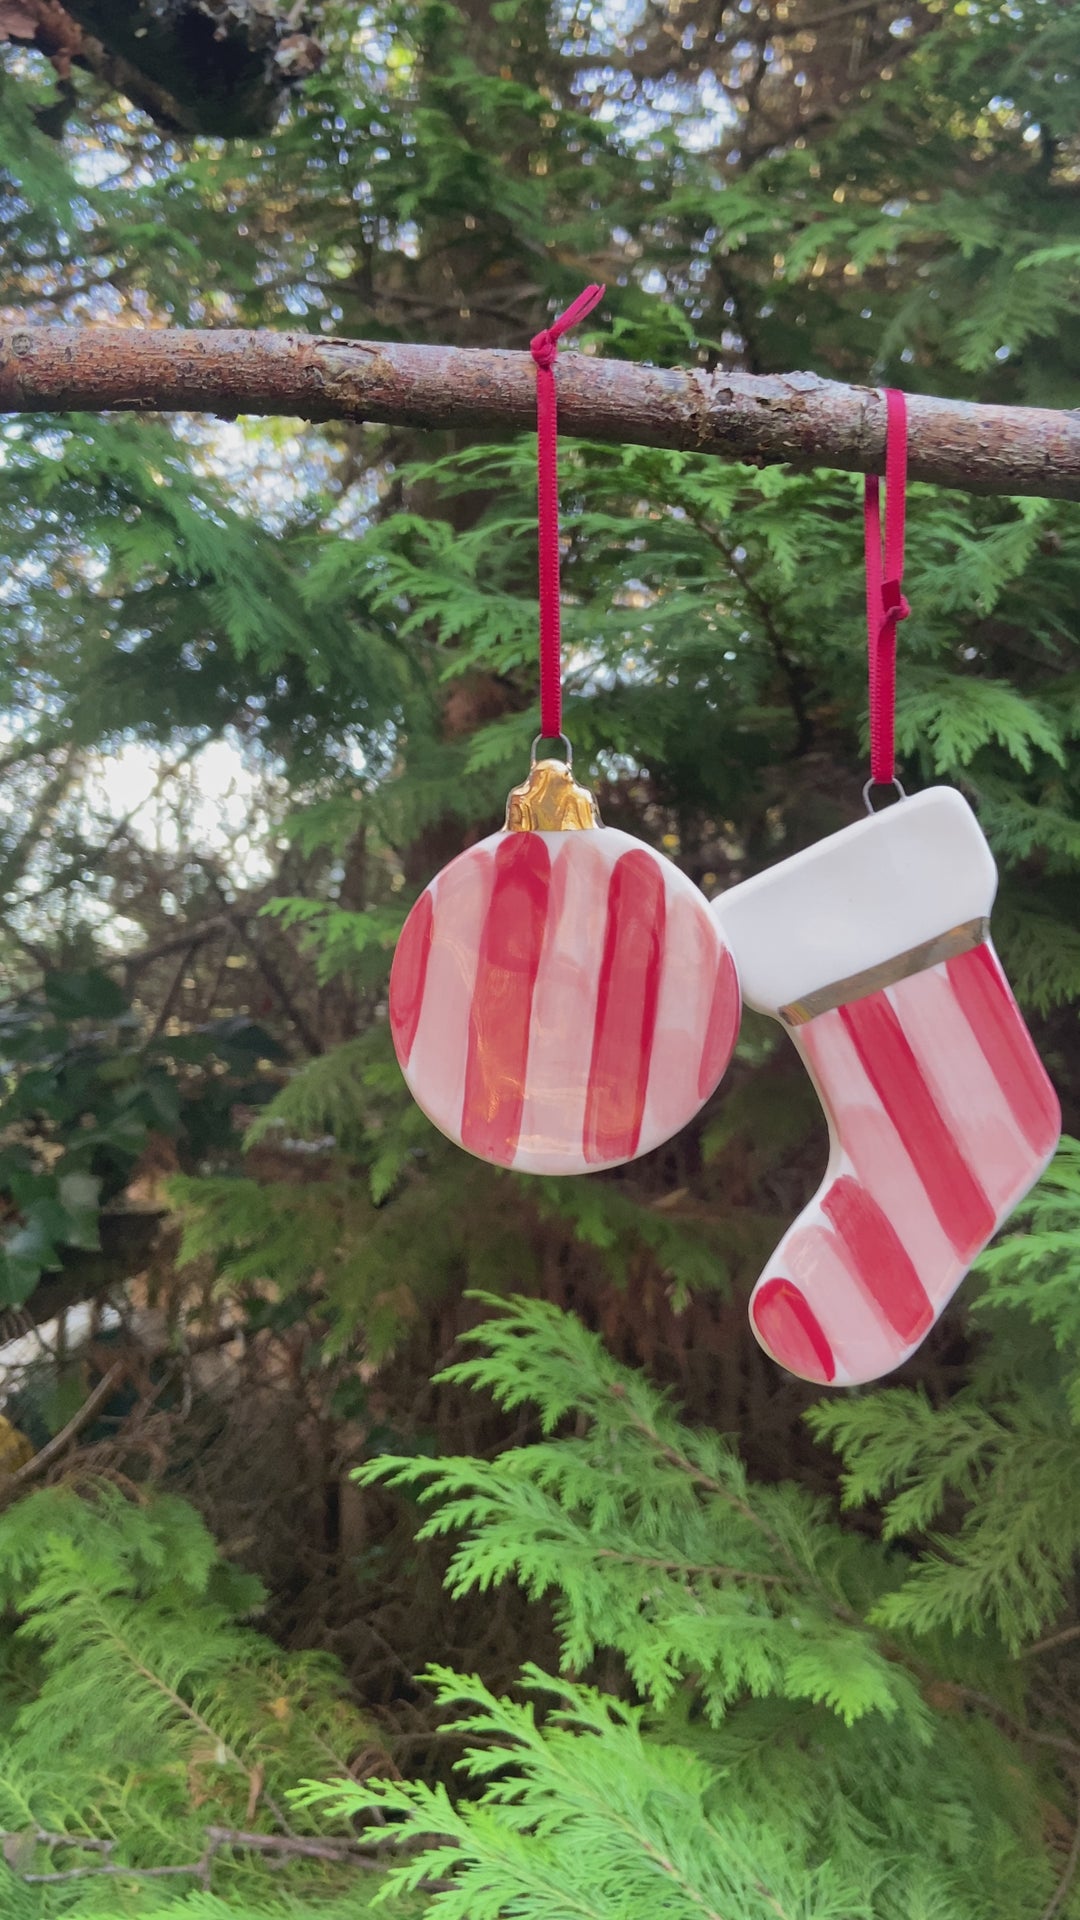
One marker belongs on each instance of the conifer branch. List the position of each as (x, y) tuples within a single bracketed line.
[(186, 1710), (803, 1574), (794, 419)]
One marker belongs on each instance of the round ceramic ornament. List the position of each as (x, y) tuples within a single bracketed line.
[(561, 999)]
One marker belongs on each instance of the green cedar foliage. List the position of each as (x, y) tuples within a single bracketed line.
[(665, 1555), (139, 1707), (587, 1815), (804, 1744), (1004, 1451)]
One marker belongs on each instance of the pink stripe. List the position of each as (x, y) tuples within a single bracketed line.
[(688, 972), (626, 1009), (864, 1345), (564, 1007), (436, 1068), (787, 1328), (954, 1192), (876, 1153), (501, 1012), (723, 1028), (407, 975), (998, 1025), (877, 1259), (965, 1090)]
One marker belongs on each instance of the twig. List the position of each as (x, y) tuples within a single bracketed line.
[(46, 1839), (1059, 1742), (352, 1852), (175, 986), (1068, 1873), (793, 673), (267, 966), (97, 1873), (691, 1566), (291, 1846), (43, 1459), (190, 936), (816, 20), (296, 1845), (1052, 1640)]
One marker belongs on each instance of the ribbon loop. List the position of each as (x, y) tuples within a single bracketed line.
[(886, 604), (544, 348), (895, 605)]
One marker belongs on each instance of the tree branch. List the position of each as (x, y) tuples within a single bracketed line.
[(349, 1852), (795, 418), (195, 935), (1052, 1640), (123, 1872), (1068, 1874), (41, 1461), (271, 973)]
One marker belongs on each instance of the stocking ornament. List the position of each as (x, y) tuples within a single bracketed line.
[(873, 949), (561, 999)]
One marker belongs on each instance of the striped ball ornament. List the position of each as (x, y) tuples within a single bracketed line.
[(562, 1001)]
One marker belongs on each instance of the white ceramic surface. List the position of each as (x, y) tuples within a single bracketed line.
[(562, 1002)]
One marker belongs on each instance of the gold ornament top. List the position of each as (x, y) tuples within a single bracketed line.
[(550, 801)]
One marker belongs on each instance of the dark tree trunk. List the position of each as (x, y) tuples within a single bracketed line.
[(194, 66)]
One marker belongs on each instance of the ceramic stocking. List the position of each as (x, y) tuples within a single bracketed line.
[(873, 949)]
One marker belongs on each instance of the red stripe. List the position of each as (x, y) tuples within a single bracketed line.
[(790, 1331), (998, 1025), (877, 1259), (723, 1028), (501, 1010), (627, 999), (408, 974), (951, 1187)]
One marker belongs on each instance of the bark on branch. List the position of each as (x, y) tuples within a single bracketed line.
[(794, 418)]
